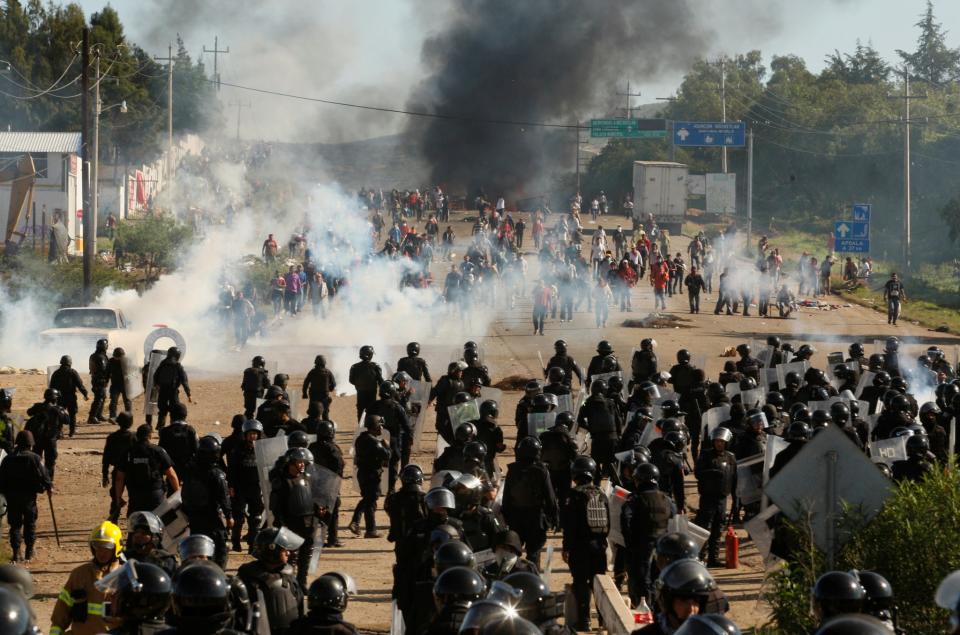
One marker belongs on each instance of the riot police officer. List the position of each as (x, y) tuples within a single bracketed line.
[(836, 593), (919, 462), (643, 519), (443, 392), (320, 385), (6, 421), (748, 365), (490, 434), (115, 451), (529, 505), (525, 407), (326, 453), (255, 382), (452, 456), (206, 498), (599, 417), (67, 381), (366, 376), (684, 589), (141, 600), (293, 507), (413, 364), (169, 377), (565, 362), (243, 477), (396, 422), (480, 525), (144, 542), (371, 453), (475, 369), (716, 472), (179, 439), (46, 422), (22, 477), (603, 362), (118, 383), (559, 449), (326, 602), (644, 363), (891, 356), (669, 459), (454, 591), (271, 575), (143, 472), (99, 378), (585, 519), (405, 506)]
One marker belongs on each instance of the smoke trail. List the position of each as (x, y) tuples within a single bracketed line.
[(556, 61)]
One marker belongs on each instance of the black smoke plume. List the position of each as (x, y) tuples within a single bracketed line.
[(554, 61)]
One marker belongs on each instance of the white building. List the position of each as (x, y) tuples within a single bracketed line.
[(56, 159)]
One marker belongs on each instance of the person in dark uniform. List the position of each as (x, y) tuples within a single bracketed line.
[(747, 365), (529, 505), (797, 433), (206, 498), (508, 551), (366, 377), (559, 449), (143, 472), (480, 525), (413, 364), (115, 451), (585, 519), (525, 407), (684, 590), (939, 439), (603, 362), (255, 382), (243, 476), (326, 602), (179, 439), (270, 575), (475, 369), (443, 392), (669, 459), (599, 417), (281, 380), (396, 422), (490, 434), (371, 453), (644, 363), (320, 385), (920, 461), (406, 506), (67, 380), (46, 422), (142, 602), (169, 377), (564, 362), (326, 453), (6, 421), (118, 385), (144, 540), (643, 519), (716, 472), (22, 477), (99, 378), (293, 507), (454, 590)]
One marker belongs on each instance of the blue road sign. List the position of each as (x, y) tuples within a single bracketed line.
[(709, 133), (861, 211), (854, 230), (852, 246)]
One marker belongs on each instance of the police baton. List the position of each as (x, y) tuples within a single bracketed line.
[(53, 516)]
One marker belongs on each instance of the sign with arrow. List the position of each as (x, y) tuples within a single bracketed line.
[(710, 133), (862, 211), (851, 237)]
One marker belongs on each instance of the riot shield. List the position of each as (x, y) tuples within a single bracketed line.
[(50, 371), (797, 367), (159, 333), (539, 422), (132, 378), (753, 398), (617, 497), (324, 485), (267, 451), (889, 451), (318, 540), (176, 526), (463, 412), (650, 432), (764, 356), (866, 379), (750, 479), (715, 416), (492, 394), (150, 400), (565, 404), (732, 389), (419, 397)]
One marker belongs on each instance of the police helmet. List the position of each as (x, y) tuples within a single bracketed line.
[(805, 352), (650, 388), (775, 399), (461, 397), (456, 367), (196, 546), (201, 598), (721, 433), (798, 431), (327, 594), (684, 578), (411, 474), (298, 439), (879, 600), (853, 624), (756, 418), (800, 412), (816, 377), (252, 425), (899, 384), (320, 361), (856, 350), (584, 469), (560, 346), (836, 593), (533, 387), (918, 445), (471, 355), (173, 353), (709, 624), (541, 403), (413, 349), (17, 618), (676, 546), (258, 362), (528, 449), (388, 390), (66, 360), (671, 409), (458, 584), (440, 498), (208, 450), (876, 362), (326, 430), (748, 383), (646, 474), (773, 340), (598, 387), (820, 418), (683, 356), (475, 450), (101, 344), (648, 344), (372, 421), (453, 553), (535, 595), (271, 539), (273, 392), (676, 440), (892, 344), (489, 411), (51, 395), (366, 353), (900, 403), (792, 379), (840, 413), (564, 419), (743, 349), (604, 347), (146, 521), (442, 534), (465, 433), (470, 345)]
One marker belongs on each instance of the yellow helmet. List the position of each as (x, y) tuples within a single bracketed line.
[(107, 532)]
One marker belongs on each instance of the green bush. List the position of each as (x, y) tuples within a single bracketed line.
[(914, 542), (154, 241)]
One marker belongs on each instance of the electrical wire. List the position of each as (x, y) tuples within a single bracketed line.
[(46, 91)]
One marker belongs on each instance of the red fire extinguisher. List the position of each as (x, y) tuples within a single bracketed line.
[(732, 548)]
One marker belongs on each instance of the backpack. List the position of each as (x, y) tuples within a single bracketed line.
[(595, 503)]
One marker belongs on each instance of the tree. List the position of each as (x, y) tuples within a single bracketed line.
[(933, 61), (950, 213), (865, 66)]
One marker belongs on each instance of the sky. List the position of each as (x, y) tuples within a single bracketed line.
[(369, 52)]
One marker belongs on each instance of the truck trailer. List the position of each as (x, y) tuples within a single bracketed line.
[(660, 188)]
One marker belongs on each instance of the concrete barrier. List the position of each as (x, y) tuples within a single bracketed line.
[(617, 617)]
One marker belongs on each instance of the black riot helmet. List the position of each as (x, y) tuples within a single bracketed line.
[(853, 624), (201, 598), (208, 450), (876, 362), (683, 356), (173, 353), (815, 377), (453, 553), (892, 345), (743, 349), (598, 387), (900, 403), (461, 397), (775, 399), (258, 362), (773, 340), (748, 383), (51, 395), (413, 349), (465, 433), (298, 439), (879, 600), (856, 350), (584, 469), (327, 594), (564, 419), (489, 411), (676, 546), (798, 431), (646, 474), (101, 345), (556, 375), (792, 379), (535, 595), (881, 379), (604, 347), (648, 344), (836, 593), (676, 440), (899, 384), (411, 474), (805, 352), (144, 594), (918, 445), (560, 346), (366, 353), (840, 413), (709, 624), (15, 611), (684, 578), (440, 498), (671, 409), (458, 584), (66, 360), (475, 450), (326, 430), (529, 449), (819, 418), (470, 345), (800, 412)]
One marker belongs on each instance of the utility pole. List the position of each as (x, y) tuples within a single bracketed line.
[(628, 95), (673, 147), (907, 226), (169, 60), (216, 51), (749, 186), (240, 105), (723, 107), (95, 151), (579, 143), (88, 227)]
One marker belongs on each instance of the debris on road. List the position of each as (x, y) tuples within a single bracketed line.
[(512, 382), (658, 321), (11, 370)]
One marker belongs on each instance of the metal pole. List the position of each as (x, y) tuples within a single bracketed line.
[(95, 169), (577, 146), (830, 524), (673, 146), (749, 185), (84, 156), (170, 113), (723, 107), (906, 173)]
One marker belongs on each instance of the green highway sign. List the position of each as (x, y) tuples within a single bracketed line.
[(629, 128)]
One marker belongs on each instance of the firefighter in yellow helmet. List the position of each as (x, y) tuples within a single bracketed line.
[(79, 607)]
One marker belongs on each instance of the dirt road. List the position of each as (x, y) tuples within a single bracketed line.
[(509, 349)]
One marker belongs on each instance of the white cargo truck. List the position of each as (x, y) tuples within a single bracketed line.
[(660, 188)]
